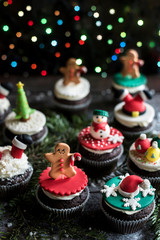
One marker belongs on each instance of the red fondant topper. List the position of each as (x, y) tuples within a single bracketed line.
[(97, 144), (66, 186)]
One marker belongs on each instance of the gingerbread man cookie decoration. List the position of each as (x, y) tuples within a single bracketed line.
[(62, 161), (131, 64), (72, 72)]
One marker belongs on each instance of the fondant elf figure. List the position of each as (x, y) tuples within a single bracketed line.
[(22, 110)]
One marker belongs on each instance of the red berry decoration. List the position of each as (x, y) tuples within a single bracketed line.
[(142, 144)]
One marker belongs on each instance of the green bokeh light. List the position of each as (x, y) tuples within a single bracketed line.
[(110, 41), (120, 20), (152, 44), (93, 8), (123, 34), (48, 30), (139, 44), (109, 27), (98, 69), (43, 20), (5, 28), (83, 37)]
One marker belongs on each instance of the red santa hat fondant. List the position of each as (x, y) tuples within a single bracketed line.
[(142, 143), (130, 185), (19, 144), (5, 89), (134, 104)]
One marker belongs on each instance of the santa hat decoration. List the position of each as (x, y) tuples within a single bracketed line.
[(5, 89), (134, 106), (142, 144), (130, 186), (19, 144)]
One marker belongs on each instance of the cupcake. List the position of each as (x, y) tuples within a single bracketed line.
[(5, 106), (62, 187), (25, 120), (72, 92), (15, 170), (130, 76), (128, 202), (144, 159), (99, 144), (134, 116)]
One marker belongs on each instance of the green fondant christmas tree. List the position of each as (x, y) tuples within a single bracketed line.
[(22, 110)]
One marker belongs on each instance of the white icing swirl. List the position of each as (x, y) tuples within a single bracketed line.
[(142, 120), (10, 166), (34, 125), (4, 105), (141, 161), (59, 197), (130, 89), (98, 151), (72, 91)]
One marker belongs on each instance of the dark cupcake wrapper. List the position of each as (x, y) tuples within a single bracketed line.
[(15, 189), (105, 163), (130, 226), (63, 213)]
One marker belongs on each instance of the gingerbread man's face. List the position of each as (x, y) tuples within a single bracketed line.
[(132, 55), (71, 63), (62, 149)]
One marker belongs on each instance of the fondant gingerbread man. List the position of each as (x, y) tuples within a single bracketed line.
[(131, 64), (62, 161), (72, 71)]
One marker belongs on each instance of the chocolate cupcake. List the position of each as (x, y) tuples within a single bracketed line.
[(99, 144), (130, 77), (25, 120), (5, 106), (62, 187), (133, 116), (72, 93), (15, 170), (128, 202), (144, 159)]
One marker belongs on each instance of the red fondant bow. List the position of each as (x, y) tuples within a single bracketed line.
[(98, 126)]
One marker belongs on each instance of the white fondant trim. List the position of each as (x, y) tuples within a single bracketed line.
[(136, 158), (58, 197), (122, 210), (72, 91), (124, 94), (129, 121), (127, 194), (34, 125), (98, 151), (130, 89), (3, 91), (4, 105), (18, 144)]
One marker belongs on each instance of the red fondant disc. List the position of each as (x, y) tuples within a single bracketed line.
[(63, 187), (98, 144)]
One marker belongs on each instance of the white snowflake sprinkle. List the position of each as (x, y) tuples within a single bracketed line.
[(110, 191), (115, 138), (131, 202), (123, 176), (146, 192)]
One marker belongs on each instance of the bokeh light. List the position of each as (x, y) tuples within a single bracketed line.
[(77, 8), (139, 44), (140, 22), (11, 46), (78, 61), (112, 11), (43, 73), (114, 57), (28, 8), (13, 64), (98, 69), (34, 39), (5, 28), (33, 66), (48, 30), (20, 13), (59, 22), (120, 20), (54, 43), (109, 27), (110, 41), (43, 20), (83, 37)]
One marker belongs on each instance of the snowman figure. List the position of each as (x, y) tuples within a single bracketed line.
[(100, 128)]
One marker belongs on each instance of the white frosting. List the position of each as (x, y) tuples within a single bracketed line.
[(59, 197), (142, 120), (72, 91), (4, 105), (130, 89), (141, 161), (98, 151), (122, 210), (34, 125), (10, 166)]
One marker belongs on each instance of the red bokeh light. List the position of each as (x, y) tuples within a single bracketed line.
[(43, 73), (81, 42), (76, 18), (30, 23), (117, 51)]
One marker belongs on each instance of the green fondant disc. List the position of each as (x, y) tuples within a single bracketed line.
[(117, 202), (128, 81)]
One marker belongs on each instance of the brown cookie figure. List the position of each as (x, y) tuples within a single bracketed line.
[(131, 64), (72, 72), (62, 161)]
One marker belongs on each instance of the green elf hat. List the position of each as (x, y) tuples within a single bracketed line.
[(100, 112)]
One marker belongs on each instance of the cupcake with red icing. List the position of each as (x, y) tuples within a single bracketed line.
[(128, 202), (62, 187), (144, 158), (99, 144), (15, 170)]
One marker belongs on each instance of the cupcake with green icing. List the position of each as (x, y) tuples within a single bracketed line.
[(130, 76), (128, 202)]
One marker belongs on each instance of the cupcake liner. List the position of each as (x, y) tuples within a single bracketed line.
[(15, 189), (73, 107), (125, 226), (63, 213), (155, 181), (103, 164)]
